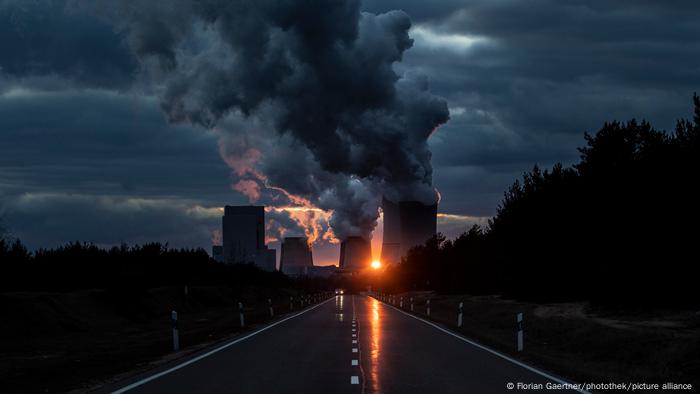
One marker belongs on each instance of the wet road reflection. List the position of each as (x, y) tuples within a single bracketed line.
[(375, 345), (339, 300)]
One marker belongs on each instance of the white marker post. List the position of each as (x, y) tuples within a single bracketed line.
[(519, 320), (187, 291), (272, 312), (291, 303), (240, 312), (411, 304), (176, 335), (401, 302), (427, 307), (460, 311)]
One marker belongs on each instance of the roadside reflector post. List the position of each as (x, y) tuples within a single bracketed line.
[(460, 311), (187, 291), (427, 307), (519, 320), (176, 335), (240, 312), (411, 304), (291, 303), (401, 302), (269, 303)]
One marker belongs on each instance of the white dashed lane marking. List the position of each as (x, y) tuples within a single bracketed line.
[(354, 350), (355, 362), (354, 341), (354, 380)]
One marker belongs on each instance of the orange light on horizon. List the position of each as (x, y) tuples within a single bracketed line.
[(376, 264)]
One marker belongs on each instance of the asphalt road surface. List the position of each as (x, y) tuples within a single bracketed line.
[(348, 344)]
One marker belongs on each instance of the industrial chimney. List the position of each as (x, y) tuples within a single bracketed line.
[(355, 253)]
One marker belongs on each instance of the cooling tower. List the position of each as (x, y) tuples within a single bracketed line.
[(391, 242), (355, 253), (406, 224), (418, 224), (296, 254)]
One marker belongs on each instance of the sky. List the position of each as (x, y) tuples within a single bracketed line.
[(110, 134)]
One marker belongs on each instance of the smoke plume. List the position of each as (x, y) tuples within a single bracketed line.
[(305, 93)]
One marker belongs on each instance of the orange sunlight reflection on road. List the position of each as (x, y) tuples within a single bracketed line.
[(374, 346)]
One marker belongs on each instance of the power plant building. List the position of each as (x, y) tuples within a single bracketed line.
[(355, 254), (243, 237), (406, 224)]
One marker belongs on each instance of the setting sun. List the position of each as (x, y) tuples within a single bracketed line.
[(376, 264)]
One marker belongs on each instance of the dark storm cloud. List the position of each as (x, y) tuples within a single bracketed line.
[(51, 219), (105, 167), (418, 10), (524, 80), (327, 72), (102, 142), (43, 37)]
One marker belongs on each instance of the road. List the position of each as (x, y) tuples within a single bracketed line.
[(348, 344)]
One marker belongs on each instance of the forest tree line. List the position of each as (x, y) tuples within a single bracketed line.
[(78, 265), (617, 228)]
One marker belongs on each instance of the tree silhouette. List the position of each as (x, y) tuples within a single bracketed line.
[(617, 228)]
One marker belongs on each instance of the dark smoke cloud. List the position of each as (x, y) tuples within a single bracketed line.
[(320, 73)]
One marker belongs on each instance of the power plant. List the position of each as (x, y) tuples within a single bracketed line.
[(243, 237), (406, 224), (355, 254), (296, 256)]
